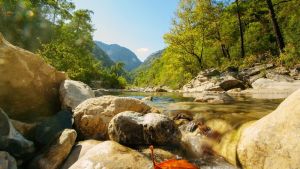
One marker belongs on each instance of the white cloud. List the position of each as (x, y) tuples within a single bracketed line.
[(142, 53), (142, 50)]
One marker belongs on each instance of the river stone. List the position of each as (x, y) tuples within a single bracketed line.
[(24, 128), (48, 129), (72, 93), (78, 151), (11, 140), (273, 141), (53, 156), (7, 161), (132, 128), (279, 77), (28, 85), (111, 155), (214, 98), (92, 116), (264, 83), (229, 82)]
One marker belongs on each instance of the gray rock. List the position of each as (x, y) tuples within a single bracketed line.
[(48, 129), (264, 83), (28, 85), (131, 128), (256, 69), (11, 140), (229, 82), (53, 156), (72, 93), (273, 141), (7, 161), (279, 78), (92, 116)]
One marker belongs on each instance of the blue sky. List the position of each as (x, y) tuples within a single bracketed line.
[(136, 24)]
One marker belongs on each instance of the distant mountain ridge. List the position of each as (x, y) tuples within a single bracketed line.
[(149, 60), (118, 53), (100, 55)]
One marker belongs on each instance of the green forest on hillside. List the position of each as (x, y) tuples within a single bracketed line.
[(204, 34), (62, 35), (220, 34)]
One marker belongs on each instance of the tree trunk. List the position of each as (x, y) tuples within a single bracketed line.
[(279, 37), (241, 29)]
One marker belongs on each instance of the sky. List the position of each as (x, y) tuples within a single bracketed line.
[(135, 24)]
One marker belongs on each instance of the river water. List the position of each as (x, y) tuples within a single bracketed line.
[(243, 110)]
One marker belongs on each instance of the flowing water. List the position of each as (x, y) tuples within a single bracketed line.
[(244, 109)]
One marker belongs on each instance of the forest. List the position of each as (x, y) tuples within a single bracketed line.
[(204, 34), (222, 34)]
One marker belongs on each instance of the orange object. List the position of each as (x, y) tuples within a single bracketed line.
[(171, 164)]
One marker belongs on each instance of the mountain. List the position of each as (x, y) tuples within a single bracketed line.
[(100, 55), (149, 60), (118, 53)]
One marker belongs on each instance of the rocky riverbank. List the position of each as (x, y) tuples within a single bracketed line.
[(68, 126)]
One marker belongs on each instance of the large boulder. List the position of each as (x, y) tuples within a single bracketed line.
[(28, 85), (7, 161), (72, 93), (131, 128), (78, 151), (273, 141), (111, 155), (11, 140), (53, 156), (92, 116), (264, 83), (279, 77)]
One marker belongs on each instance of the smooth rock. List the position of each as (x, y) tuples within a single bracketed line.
[(279, 77), (256, 69), (92, 116), (11, 140), (72, 93), (28, 85), (275, 85), (48, 129), (160, 154), (78, 151), (111, 155), (132, 128), (24, 128), (229, 82), (214, 98), (53, 156), (7, 161), (273, 141)]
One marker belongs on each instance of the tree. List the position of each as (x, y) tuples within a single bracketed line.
[(240, 28), (277, 31)]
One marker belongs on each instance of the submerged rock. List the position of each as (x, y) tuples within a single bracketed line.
[(111, 155), (214, 98), (53, 156), (72, 93), (11, 140), (131, 128), (28, 85), (273, 141), (7, 161), (92, 116)]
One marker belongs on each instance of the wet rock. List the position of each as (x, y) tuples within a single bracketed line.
[(229, 82), (219, 125), (160, 155), (273, 141), (256, 69), (11, 140), (149, 98), (234, 91), (159, 89), (24, 128), (279, 77), (92, 116), (30, 86), (53, 156), (72, 93), (78, 151), (48, 129), (7, 161), (111, 155), (131, 128), (214, 98)]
